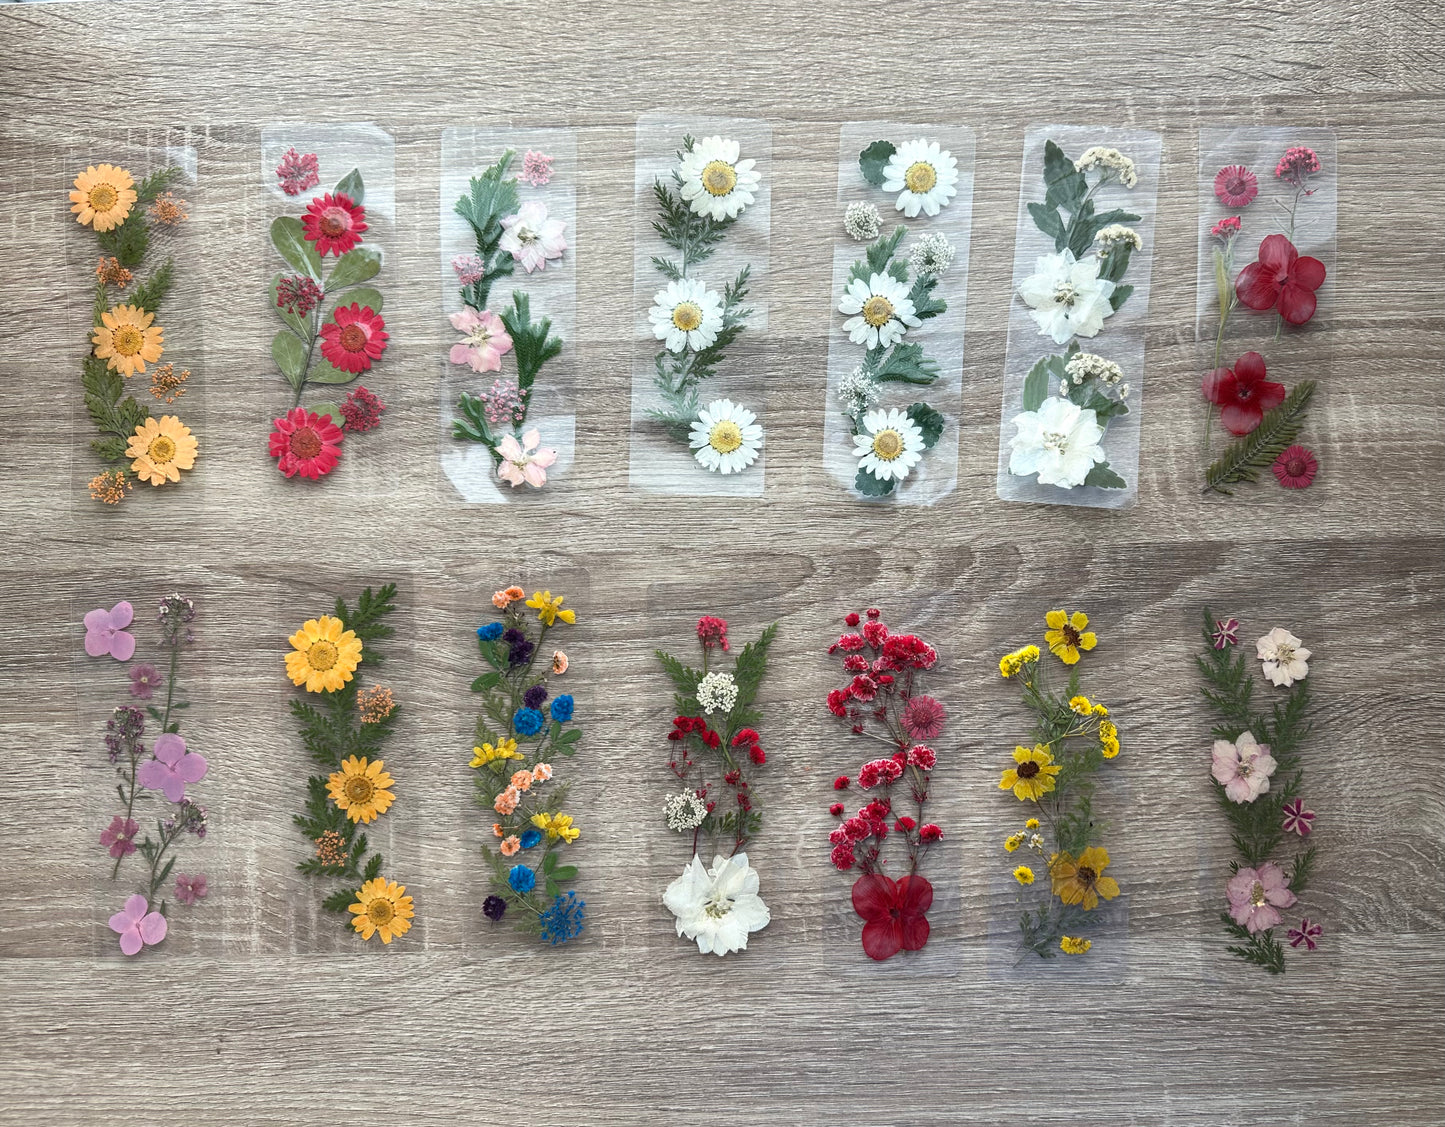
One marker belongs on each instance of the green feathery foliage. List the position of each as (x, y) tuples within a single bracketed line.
[(1248, 457), (114, 413), (532, 342), (492, 198)]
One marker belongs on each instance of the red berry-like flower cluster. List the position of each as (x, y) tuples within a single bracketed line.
[(361, 410), (713, 632)]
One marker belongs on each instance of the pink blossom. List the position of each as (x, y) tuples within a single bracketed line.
[(297, 173), (1243, 767), (1307, 933), (484, 340), (1298, 820), (923, 718), (523, 461), (1256, 895), (105, 632), (1226, 228), (922, 757), (531, 238), (1296, 165), (190, 889), (1235, 186), (119, 837), (536, 168), (469, 267), (137, 926), (172, 768)]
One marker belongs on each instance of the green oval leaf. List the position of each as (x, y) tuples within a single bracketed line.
[(353, 268), (1036, 385), (351, 185), (290, 356), (289, 239), (362, 295), (328, 373), (327, 409)]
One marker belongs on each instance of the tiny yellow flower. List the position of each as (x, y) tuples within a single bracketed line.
[(1013, 842), (1081, 705), (1024, 875), (1108, 739), (1100, 710), (1031, 824), (549, 610), (1075, 945), (557, 825), (506, 749), (1010, 664)]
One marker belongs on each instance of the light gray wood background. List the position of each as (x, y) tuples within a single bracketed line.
[(256, 1012)]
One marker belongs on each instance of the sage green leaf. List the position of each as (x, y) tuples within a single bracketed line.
[(1120, 296), (352, 186), (1037, 384), (549, 863), (354, 267), (327, 409), (929, 421), (870, 486), (1103, 477), (907, 364), (564, 872), (1050, 222), (874, 159), (363, 296), (329, 373), (290, 356), (289, 239), (299, 325), (1066, 184)]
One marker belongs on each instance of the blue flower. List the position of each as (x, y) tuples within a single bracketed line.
[(530, 838), (490, 632), (527, 722), (563, 920), (522, 879), (562, 708)]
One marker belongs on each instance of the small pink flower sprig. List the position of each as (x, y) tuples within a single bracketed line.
[(168, 769), (1258, 779)]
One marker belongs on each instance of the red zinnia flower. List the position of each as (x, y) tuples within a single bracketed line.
[(893, 913), (1243, 393), (746, 736), (1295, 468), (333, 223), (306, 443), (842, 856), (353, 338), (1235, 185), (1281, 277), (923, 718)]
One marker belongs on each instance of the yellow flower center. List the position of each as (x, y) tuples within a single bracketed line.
[(687, 316), (920, 177), (127, 340), (1256, 895), (321, 656), (359, 788), (103, 197), (877, 311), (352, 338), (725, 436), (719, 178), (888, 444), (161, 449), (380, 911)]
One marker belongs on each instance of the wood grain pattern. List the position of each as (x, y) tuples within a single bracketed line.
[(261, 1014)]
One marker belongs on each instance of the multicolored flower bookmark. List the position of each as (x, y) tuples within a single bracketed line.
[(523, 728)]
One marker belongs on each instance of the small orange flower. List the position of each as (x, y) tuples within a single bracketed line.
[(503, 599), (522, 780), (127, 340), (112, 273), (542, 772), (559, 662), (167, 384), (510, 845), (110, 487), (497, 828), (507, 801), (168, 211)]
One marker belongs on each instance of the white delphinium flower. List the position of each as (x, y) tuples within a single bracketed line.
[(862, 221), (686, 315), (880, 311), (717, 692), (715, 183), (1116, 234), (890, 445), (1067, 297), (931, 254), (1059, 442), (1285, 658), (857, 391), (923, 174), (1116, 165), (718, 907), (725, 437), (685, 811)]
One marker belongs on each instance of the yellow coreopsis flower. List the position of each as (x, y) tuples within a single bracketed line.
[(1082, 880), (549, 610), (1066, 635), (162, 448), (325, 656), (557, 825), (382, 908), (126, 340), (1024, 875), (103, 196), (361, 789), (1032, 775), (1074, 945), (504, 749)]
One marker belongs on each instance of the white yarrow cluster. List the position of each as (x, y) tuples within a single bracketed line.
[(684, 811), (1120, 167), (931, 254), (1085, 366), (1116, 234), (717, 692), (862, 221), (857, 391)]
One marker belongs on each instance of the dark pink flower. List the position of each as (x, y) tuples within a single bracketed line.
[(894, 913), (1298, 820), (922, 757), (297, 173), (119, 836), (189, 889), (1295, 467), (1226, 228), (1243, 393), (923, 718), (1235, 185), (1281, 278), (1296, 165), (1307, 933)]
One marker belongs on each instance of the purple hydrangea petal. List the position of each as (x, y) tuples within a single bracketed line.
[(122, 646), (121, 615), (169, 748), (152, 928), (130, 941), (192, 767), (153, 775)]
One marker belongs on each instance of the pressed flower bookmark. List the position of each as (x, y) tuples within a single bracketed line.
[(508, 221), (1074, 374), (899, 283), (1259, 784), (1266, 194), (157, 769), (131, 394), (524, 728), (333, 331), (343, 727), (700, 265), (714, 753)]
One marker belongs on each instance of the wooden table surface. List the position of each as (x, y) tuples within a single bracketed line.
[(258, 1012)]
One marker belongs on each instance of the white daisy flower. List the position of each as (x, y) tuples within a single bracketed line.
[(726, 437), (891, 445), (1067, 296), (883, 311), (1059, 442), (718, 907), (924, 176), (714, 182), (686, 315)]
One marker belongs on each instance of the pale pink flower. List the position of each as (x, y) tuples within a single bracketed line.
[(1256, 895), (137, 925), (523, 461), (531, 238), (1243, 767), (536, 168), (1284, 660), (484, 340)]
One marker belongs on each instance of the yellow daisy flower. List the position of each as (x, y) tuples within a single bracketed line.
[(1066, 635), (361, 789), (1032, 775), (103, 196), (162, 448), (1081, 705), (1109, 738), (506, 749), (325, 656), (549, 610), (1012, 842), (1074, 945), (1024, 875), (126, 340), (557, 825), (1010, 664), (1082, 881), (381, 908), (1031, 824)]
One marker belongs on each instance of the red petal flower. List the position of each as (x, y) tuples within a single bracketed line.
[(353, 338), (1243, 393), (306, 443), (1235, 185), (1281, 278), (1295, 468), (894, 913), (333, 223)]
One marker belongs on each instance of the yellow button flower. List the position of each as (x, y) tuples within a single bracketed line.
[(126, 340), (557, 825), (1081, 705), (1075, 945), (1024, 875), (103, 196), (549, 610), (1010, 664), (325, 656), (1013, 841), (1108, 739), (1032, 775), (1066, 635), (161, 449)]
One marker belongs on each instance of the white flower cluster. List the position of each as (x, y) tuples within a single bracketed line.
[(717, 692), (1119, 167), (862, 221), (685, 811), (1116, 234), (931, 254), (1085, 366), (857, 391)]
